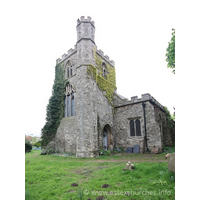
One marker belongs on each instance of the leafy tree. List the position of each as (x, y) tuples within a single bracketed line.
[(55, 108), (37, 144), (170, 118), (171, 53), (28, 147)]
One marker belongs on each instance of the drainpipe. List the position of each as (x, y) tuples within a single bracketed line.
[(145, 130)]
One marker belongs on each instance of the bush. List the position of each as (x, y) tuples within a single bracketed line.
[(37, 144), (47, 151), (104, 152), (28, 147)]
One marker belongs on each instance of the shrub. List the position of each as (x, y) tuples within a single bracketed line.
[(104, 152), (28, 147), (47, 151), (122, 149), (37, 144)]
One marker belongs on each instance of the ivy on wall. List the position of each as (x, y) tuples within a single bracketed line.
[(106, 84), (170, 118), (55, 108)]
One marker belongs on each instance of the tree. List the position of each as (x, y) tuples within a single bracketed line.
[(37, 144), (171, 53), (170, 118), (55, 108), (28, 147)]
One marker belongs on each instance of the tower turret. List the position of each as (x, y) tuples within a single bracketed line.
[(85, 29)]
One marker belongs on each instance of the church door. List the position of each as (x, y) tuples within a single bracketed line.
[(105, 140)]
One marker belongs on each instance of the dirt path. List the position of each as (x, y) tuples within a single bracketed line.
[(126, 160), (124, 157)]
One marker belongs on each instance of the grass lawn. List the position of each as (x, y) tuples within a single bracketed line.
[(51, 177)]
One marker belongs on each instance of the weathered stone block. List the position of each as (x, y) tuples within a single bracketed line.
[(171, 162)]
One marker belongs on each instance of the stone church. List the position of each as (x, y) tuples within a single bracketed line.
[(96, 116)]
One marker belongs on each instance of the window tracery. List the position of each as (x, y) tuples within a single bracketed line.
[(135, 127), (69, 101)]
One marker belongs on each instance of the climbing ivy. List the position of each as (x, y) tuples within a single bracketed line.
[(170, 118), (55, 108), (106, 84)]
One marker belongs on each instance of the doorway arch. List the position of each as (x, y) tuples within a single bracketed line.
[(107, 142)]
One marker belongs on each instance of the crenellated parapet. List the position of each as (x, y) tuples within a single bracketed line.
[(83, 19), (65, 56), (105, 57), (134, 100), (85, 29), (146, 97)]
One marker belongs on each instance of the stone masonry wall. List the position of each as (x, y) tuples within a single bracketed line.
[(121, 127), (65, 139)]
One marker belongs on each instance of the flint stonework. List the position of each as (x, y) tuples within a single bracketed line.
[(94, 114)]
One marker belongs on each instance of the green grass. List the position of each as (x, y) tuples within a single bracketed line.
[(169, 149), (50, 177)]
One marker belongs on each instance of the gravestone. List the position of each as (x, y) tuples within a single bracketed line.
[(129, 150), (171, 162), (136, 149)]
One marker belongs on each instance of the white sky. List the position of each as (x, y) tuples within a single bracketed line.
[(135, 34)]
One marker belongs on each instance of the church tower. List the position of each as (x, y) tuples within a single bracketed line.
[(88, 95), (85, 29), (86, 137)]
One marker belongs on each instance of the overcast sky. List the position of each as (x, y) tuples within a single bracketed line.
[(135, 34)]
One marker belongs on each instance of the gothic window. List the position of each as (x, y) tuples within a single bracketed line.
[(65, 111), (71, 70), (68, 105), (68, 68), (67, 72), (72, 104), (135, 128), (104, 69), (69, 102), (104, 73), (132, 129), (138, 129)]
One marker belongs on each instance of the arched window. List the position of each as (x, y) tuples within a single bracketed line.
[(69, 101), (67, 72), (65, 111), (68, 105), (104, 69), (72, 104), (104, 73), (132, 129), (71, 71), (138, 129), (68, 68)]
